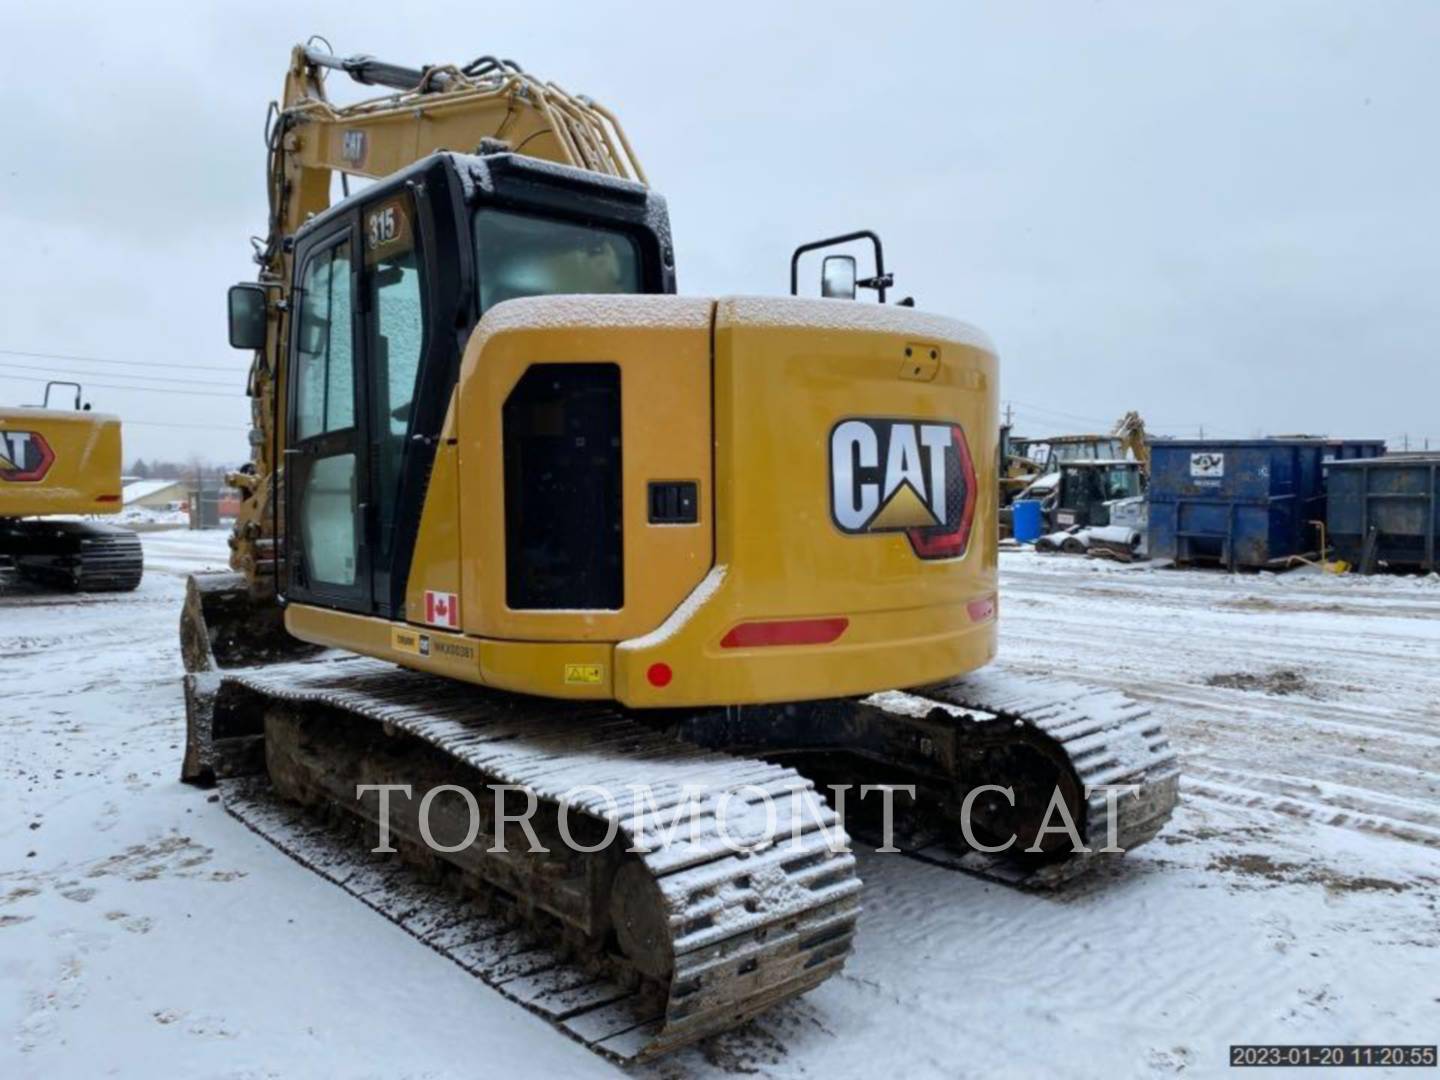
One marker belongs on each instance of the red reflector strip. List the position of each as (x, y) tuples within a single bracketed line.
[(107, 498), (980, 610), (788, 632)]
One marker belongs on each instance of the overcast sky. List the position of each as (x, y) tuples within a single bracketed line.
[(1216, 213)]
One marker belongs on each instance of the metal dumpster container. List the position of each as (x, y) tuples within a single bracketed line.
[(1241, 503), (1397, 498), (1350, 449)]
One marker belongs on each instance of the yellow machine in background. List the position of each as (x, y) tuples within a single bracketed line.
[(582, 531), (64, 462)]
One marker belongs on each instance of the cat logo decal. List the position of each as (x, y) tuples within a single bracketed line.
[(25, 456), (903, 476)]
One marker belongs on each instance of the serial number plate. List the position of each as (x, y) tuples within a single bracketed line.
[(1381, 1055)]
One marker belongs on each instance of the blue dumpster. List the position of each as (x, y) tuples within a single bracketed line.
[(1351, 449), (1241, 503), (1394, 502), (1027, 525)]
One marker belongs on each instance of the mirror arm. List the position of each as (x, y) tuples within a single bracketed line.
[(882, 280)]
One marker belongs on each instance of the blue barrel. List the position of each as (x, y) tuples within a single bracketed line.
[(1027, 520)]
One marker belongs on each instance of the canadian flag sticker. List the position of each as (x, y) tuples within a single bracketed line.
[(442, 609)]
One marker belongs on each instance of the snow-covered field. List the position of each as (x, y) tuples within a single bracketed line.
[(145, 518), (1294, 898)]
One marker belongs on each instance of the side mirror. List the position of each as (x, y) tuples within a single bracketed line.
[(247, 305), (837, 277)]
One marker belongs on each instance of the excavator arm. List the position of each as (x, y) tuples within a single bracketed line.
[(1130, 430), (432, 108), (310, 139), (445, 108)]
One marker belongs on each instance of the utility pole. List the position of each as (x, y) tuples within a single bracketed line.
[(1202, 431), (1406, 438), (1009, 414)]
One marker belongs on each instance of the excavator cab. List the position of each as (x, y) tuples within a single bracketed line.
[(388, 286)]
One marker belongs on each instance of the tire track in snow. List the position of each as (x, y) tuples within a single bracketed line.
[(1369, 761)]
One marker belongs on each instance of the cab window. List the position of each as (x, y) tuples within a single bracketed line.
[(525, 255), (325, 354)]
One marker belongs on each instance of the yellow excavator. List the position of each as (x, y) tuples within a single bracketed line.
[(58, 468), (520, 519)]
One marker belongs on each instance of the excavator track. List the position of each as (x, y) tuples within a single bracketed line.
[(1031, 735), (634, 953), (1104, 739), (638, 953), (77, 556)]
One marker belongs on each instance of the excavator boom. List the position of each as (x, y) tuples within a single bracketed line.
[(310, 141)]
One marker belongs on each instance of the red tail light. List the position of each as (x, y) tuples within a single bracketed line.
[(784, 632)]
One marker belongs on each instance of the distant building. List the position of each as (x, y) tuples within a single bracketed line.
[(155, 494)]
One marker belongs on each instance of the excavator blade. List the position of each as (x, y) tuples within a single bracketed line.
[(223, 625)]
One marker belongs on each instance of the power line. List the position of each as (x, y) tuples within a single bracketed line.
[(1070, 425), (127, 422), (123, 363), (238, 396), (1040, 412), (1057, 412), (119, 375), (1048, 415)]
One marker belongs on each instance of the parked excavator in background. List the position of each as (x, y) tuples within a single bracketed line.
[(519, 518), (1134, 440), (58, 468)]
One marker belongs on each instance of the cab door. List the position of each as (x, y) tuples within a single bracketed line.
[(404, 407), (326, 469)]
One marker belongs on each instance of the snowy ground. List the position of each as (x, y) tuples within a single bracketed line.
[(146, 518), (1294, 898)]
